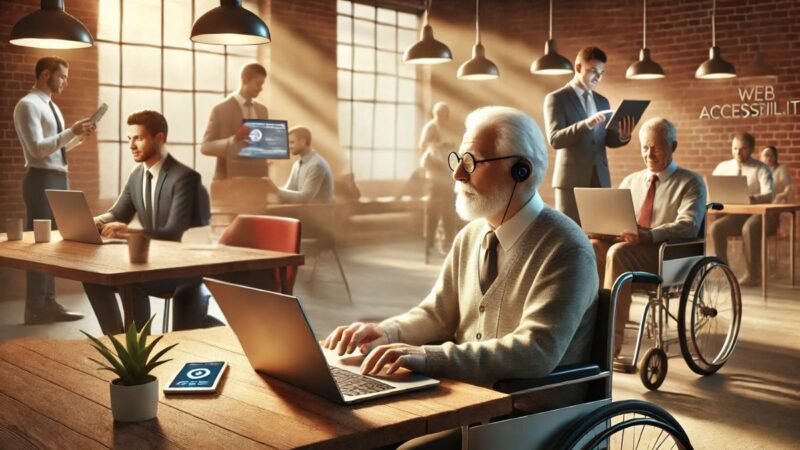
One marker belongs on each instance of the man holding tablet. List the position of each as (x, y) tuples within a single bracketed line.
[(669, 203), (311, 179)]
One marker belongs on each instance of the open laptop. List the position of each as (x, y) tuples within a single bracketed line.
[(74, 219), (606, 211), (728, 190), (278, 340)]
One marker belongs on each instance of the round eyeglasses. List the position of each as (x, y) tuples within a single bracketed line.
[(469, 162)]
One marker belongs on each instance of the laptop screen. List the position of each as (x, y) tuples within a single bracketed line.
[(268, 139)]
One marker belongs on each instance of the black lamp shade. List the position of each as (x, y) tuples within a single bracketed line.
[(230, 24), (551, 63), (478, 67), (715, 67), (645, 68), (51, 27), (427, 50)]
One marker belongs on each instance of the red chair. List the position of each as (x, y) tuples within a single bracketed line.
[(280, 234)]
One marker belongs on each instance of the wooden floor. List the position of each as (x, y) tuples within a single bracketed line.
[(752, 403)]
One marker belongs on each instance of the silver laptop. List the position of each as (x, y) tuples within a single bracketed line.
[(728, 190), (278, 340), (606, 211), (74, 219)]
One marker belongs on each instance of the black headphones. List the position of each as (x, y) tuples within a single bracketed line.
[(521, 170)]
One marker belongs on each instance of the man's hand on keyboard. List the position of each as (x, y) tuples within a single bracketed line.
[(394, 356), (346, 338)]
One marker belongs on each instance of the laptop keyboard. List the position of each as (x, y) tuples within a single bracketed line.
[(354, 384)]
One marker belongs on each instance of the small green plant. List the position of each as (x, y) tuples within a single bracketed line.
[(132, 363)]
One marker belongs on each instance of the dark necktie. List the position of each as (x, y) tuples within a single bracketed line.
[(646, 213), (59, 129), (489, 264), (148, 198)]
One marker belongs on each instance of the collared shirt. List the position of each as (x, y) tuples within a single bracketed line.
[(311, 181), (759, 177), (663, 175), (38, 132), (586, 102), (248, 111), (155, 170), (509, 232)]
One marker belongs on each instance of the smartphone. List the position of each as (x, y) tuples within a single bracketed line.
[(99, 113), (197, 377)]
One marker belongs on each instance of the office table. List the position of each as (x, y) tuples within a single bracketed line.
[(51, 395), (109, 264), (763, 209)]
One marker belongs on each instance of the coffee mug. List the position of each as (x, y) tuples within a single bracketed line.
[(41, 230), (14, 229), (138, 246)]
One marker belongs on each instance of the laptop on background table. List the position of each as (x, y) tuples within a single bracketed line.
[(606, 211), (74, 219), (728, 190), (278, 341)]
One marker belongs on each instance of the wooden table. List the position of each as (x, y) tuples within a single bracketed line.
[(52, 396), (763, 209), (109, 264)]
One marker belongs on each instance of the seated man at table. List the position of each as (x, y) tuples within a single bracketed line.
[(517, 294), (311, 179), (669, 202), (761, 188), (163, 193)]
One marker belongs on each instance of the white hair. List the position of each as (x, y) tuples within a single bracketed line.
[(516, 133), (663, 128)]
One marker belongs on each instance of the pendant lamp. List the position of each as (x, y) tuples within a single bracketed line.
[(715, 68), (427, 50), (551, 63), (645, 68), (478, 67), (230, 24), (51, 27)]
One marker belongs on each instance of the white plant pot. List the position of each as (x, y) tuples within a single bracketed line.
[(134, 403)]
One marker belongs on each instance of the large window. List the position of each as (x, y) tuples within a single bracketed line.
[(377, 92), (147, 61)]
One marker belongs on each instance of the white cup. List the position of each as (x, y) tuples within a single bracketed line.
[(14, 229), (138, 246), (41, 230)]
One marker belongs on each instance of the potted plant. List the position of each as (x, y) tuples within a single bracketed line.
[(134, 394)]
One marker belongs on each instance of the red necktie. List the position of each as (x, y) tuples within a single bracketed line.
[(646, 213)]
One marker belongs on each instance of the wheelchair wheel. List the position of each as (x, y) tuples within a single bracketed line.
[(709, 316), (653, 368), (626, 424)]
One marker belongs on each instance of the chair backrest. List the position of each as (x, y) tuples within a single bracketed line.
[(280, 234), (201, 214)]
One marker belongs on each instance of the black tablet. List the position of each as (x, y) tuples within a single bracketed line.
[(634, 108), (268, 139)]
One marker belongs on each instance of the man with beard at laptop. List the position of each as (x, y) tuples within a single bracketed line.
[(517, 294)]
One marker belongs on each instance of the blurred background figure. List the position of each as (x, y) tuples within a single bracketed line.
[(435, 144)]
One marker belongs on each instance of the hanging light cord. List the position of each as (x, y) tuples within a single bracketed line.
[(427, 11), (477, 21), (644, 26), (714, 23), (550, 33)]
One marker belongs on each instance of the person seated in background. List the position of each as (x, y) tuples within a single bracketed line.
[(762, 190), (163, 193), (435, 147), (670, 203), (517, 295), (781, 175), (311, 179)]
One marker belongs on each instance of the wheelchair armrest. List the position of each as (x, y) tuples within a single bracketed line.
[(561, 375), (684, 241)]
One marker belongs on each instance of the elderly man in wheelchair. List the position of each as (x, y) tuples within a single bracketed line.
[(670, 205)]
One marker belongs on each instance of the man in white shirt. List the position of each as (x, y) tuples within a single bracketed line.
[(762, 190), (45, 143), (669, 202), (311, 179)]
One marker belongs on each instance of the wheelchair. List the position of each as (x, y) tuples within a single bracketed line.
[(597, 423), (708, 317)]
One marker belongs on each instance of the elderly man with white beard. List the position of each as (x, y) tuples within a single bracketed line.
[(516, 296)]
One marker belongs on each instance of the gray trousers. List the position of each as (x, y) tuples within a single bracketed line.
[(40, 288), (565, 198), (749, 228)]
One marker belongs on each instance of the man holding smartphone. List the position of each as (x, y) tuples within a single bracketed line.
[(45, 143)]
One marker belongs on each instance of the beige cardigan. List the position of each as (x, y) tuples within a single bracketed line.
[(538, 314)]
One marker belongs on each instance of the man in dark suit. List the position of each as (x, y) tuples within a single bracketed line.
[(575, 124), (164, 194)]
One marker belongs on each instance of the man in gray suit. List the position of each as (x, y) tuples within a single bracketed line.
[(670, 203), (575, 124), (225, 134), (164, 194)]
